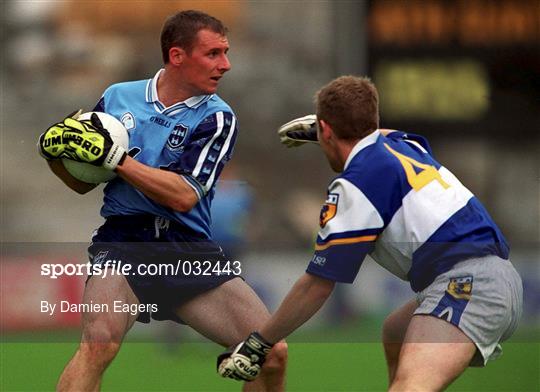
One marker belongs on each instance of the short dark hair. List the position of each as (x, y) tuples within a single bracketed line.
[(350, 105), (181, 30)]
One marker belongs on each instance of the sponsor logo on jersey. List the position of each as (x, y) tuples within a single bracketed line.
[(177, 137), (160, 121), (319, 260), (460, 287), (329, 209), (128, 120)]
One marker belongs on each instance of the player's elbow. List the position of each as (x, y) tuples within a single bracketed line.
[(184, 197), (183, 203)]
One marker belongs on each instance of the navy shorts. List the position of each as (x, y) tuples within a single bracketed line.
[(164, 262)]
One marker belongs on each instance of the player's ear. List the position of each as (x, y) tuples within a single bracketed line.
[(325, 130), (176, 55)]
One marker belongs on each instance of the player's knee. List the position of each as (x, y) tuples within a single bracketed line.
[(99, 353), (100, 342), (103, 331), (277, 358)]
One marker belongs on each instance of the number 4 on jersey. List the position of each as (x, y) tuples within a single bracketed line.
[(419, 180)]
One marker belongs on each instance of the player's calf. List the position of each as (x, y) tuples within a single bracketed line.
[(84, 371)]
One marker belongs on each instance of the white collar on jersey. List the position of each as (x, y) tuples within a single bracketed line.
[(363, 143), (152, 96)]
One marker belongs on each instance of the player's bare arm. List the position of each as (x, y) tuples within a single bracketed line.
[(162, 186), (306, 297)]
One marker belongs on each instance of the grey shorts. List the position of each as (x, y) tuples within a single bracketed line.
[(482, 297)]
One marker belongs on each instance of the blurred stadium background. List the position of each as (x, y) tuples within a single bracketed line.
[(466, 74)]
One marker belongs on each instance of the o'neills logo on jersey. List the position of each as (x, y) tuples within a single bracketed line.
[(329, 209), (177, 136)]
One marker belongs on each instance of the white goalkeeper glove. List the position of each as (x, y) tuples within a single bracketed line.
[(246, 360), (299, 131)]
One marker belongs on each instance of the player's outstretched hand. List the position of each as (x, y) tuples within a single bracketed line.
[(299, 131), (246, 360), (88, 141), (51, 143)]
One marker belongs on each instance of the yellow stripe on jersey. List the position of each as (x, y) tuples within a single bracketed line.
[(346, 241)]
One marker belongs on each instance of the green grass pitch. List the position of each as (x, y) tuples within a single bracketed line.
[(312, 367)]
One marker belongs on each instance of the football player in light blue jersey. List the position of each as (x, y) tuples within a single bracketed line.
[(394, 201), (157, 209), (193, 138)]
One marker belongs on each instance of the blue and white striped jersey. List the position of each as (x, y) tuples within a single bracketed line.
[(395, 202), (193, 138)]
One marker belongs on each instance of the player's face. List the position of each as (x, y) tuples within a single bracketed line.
[(203, 68)]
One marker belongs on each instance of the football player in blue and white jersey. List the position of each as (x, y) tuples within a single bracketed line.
[(157, 209), (393, 201)]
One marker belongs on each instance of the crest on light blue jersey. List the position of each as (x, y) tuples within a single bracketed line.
[(177, 137), (128, 120)]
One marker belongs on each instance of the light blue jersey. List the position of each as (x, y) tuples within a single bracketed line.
[(395, 202), (193, 138)]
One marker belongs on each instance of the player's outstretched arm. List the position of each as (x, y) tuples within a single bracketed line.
[(306, 297)]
